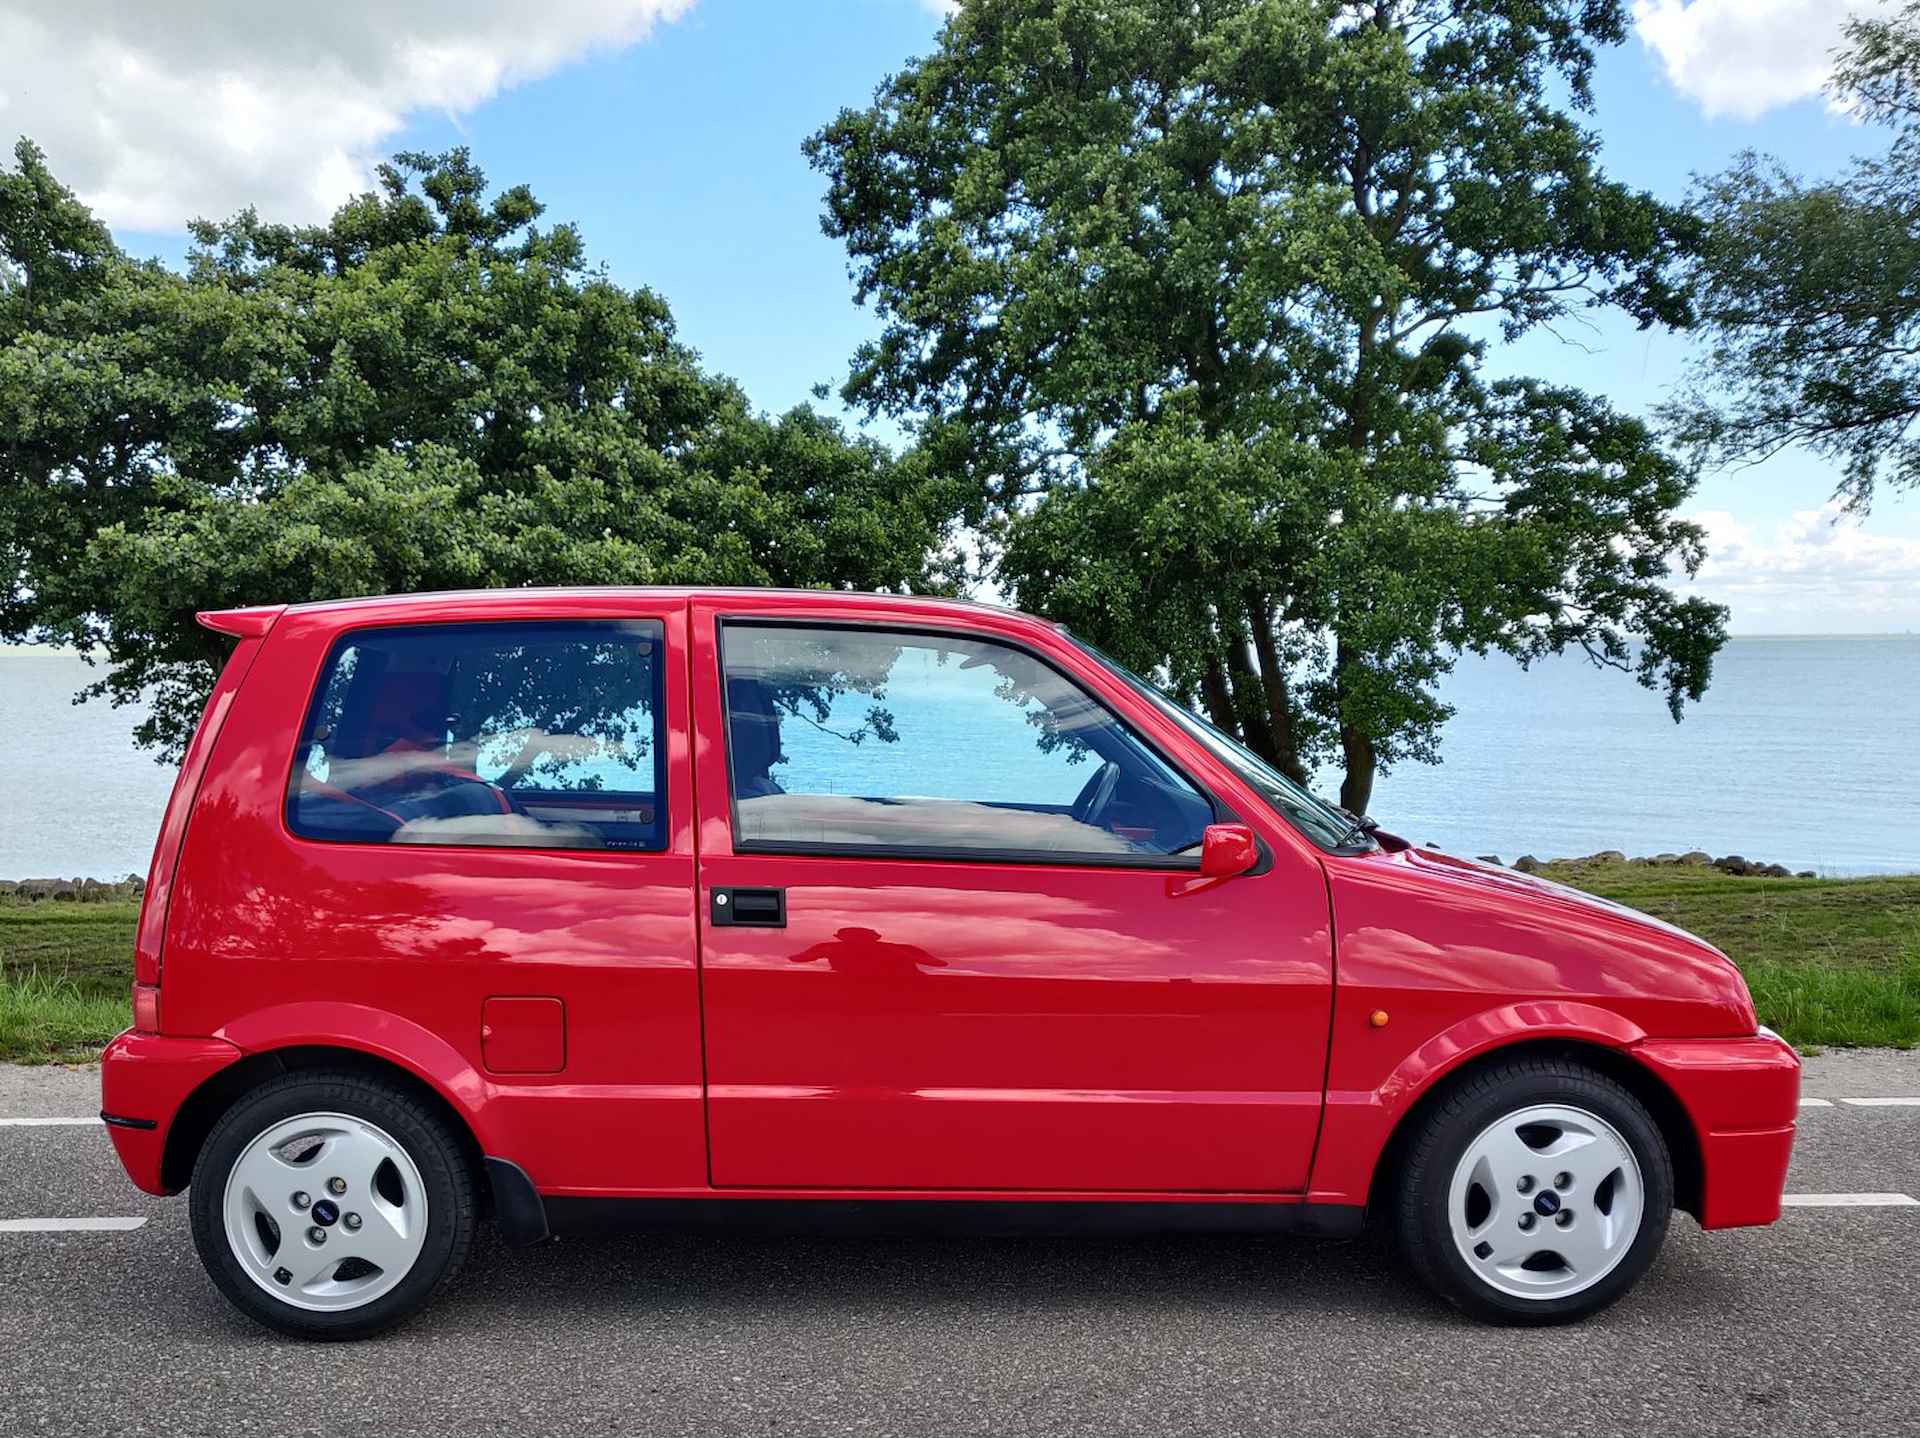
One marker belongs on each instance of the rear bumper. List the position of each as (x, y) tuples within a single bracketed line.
[(1743, 1098), (144, 1079)]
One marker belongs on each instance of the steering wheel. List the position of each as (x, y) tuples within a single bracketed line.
[(1091, 807)]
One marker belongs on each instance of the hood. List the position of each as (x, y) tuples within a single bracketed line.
[(1424, 920), (1494, 879)]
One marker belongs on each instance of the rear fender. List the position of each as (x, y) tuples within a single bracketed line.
[(367, 1030)]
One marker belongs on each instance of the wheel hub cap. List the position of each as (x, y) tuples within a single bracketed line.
[(296, 1247)]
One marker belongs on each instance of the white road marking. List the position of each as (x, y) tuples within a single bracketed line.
[(1816, 1103), (47, 1122), (70, 1225), (1882, 1102), (1849, 1200)]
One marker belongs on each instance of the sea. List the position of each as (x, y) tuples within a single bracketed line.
[(1804, 752)]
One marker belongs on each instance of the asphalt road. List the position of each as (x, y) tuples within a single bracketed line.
[(1809, 1327)]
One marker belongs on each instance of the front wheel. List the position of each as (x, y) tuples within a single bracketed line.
[(1535, 1192), (331, 1205)]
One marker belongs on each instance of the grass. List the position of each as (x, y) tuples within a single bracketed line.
[(50, 1020), (64, 973), (1831, 962)]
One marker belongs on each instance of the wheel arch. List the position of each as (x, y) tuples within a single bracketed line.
[(206, 1105), (1611, 1060)]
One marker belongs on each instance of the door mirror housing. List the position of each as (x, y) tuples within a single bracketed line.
[(1227, 850)]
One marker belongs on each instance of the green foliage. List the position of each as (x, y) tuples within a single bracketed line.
[(430, 391), (1198, 294), (1812, 292)]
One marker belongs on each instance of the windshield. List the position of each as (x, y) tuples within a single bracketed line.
[(1327, 826)]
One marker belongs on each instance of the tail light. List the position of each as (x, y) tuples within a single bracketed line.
[(146, 1008)]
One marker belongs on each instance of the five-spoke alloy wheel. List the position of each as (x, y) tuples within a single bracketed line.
[(332, 1205), (1536, 1191)]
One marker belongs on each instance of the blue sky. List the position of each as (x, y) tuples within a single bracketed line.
[(670, 132)]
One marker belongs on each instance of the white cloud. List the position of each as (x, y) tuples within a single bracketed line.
[(1745, 57), (156, 113), (1820, 571)]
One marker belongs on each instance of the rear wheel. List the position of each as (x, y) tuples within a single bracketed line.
[(1535, 1192), (331, 1205)]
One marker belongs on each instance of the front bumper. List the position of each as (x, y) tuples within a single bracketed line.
[(1743, 1098), (144, 1080)]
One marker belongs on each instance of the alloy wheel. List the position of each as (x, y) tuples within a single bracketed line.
[(1546, 1201), (325, 1211)]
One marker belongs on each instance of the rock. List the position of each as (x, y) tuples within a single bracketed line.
[(65, 890), (1605, 856), (1665, 859), (1493, 859), (1696, 856), (9, 887), (1807, 874), (1527, 864), (1777, 871), (1731, 864)]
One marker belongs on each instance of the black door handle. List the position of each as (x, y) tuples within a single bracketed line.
[(749, 908)]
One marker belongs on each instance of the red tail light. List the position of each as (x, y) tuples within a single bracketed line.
[(146, 1008)]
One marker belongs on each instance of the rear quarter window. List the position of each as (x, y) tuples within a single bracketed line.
[(532, 735)]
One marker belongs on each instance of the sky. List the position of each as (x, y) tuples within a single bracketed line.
[(670, 131)]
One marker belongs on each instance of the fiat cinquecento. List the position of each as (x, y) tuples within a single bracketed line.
[(516, 905)]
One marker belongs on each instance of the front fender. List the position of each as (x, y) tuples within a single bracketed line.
[(1358, 1122)]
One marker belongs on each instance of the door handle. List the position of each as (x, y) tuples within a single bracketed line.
[(749, 908)]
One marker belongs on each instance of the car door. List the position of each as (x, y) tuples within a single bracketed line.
[(953, 933)]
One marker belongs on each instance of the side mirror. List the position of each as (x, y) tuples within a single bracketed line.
[(1226, 850)]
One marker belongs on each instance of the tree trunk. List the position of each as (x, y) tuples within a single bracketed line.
[(1273, 679), (1213, 688), (1255, 732), (1356, 789)]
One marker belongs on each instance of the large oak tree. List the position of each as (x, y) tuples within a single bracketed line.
[(1200, 296), (430, 391)]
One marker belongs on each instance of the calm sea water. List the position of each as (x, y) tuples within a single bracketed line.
[(1805, 752)]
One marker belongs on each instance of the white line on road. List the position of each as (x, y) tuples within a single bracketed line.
[(1816, 1103), (46, 1122), (1883, 1102), (1850, 1200), (69, 1225)]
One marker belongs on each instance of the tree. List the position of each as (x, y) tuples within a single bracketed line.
[(1199, 295), (430, 391), (1812, 292)]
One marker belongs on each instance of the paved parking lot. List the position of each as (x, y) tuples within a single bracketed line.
[(1812, 1326)]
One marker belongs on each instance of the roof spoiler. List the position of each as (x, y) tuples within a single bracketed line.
[(241, 623)]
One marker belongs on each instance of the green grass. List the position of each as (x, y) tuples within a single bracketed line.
[(1830, 961), (49, 1020), (64, 973)]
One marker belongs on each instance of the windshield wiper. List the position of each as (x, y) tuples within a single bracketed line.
[(1359, 826)]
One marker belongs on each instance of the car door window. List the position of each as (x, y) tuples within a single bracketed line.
[(541, 735), (862, 739)]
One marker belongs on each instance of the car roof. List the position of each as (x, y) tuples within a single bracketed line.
[(258, 619)]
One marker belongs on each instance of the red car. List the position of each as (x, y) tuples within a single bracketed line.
[(510, 903)]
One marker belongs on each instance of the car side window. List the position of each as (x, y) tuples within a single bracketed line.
[(858, 738), (539, 735)]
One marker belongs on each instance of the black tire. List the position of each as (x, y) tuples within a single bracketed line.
[(1441, 1141), (429, 1141)]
